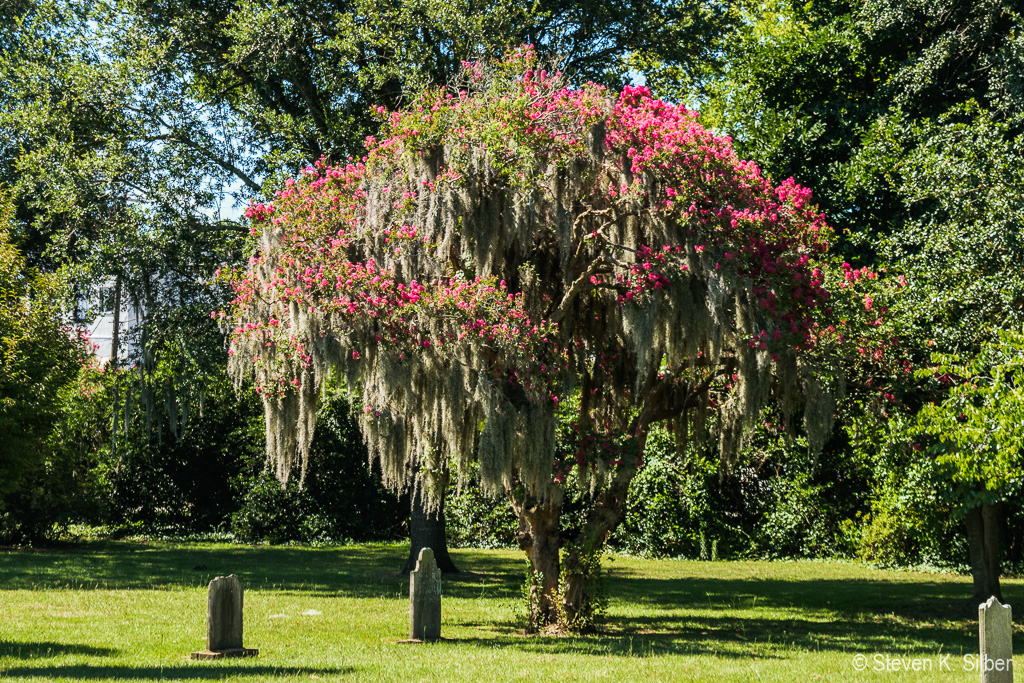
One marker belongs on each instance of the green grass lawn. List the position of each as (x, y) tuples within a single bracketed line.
[(126, 611)]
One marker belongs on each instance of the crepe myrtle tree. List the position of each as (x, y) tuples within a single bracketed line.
[(512, 256)]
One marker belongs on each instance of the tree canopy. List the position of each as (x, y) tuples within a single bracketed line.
[(907, 119), (512, 252), (506, 243), (913, 145)]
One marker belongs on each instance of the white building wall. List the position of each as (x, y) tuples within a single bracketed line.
[(101, 329)]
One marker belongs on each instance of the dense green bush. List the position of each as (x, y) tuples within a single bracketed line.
[(40, 360), (907, 524), (69, 485), (776, 501), (341, 500), (475, 520), (180, 479), (669, 505), (196, 476)]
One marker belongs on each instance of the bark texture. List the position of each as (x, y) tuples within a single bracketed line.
[(538, 538), (983, 546), (427, 530)]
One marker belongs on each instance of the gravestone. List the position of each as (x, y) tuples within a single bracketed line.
[(425, 598), (995, 632), (224, 621)]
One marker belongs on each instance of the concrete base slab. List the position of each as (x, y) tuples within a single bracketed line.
[(225, 654)]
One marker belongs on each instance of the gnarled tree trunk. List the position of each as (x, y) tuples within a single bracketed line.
[(538, 538), (983, 547), (604, 514)]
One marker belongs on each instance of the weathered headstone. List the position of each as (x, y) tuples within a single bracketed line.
[(995, 632), (425, 598), (224, 621)]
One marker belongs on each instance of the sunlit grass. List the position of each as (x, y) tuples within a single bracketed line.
[(108, 611)]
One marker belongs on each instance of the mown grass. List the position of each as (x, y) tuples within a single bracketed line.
[(130, 611)]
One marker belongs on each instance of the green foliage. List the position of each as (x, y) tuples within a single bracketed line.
[(909, 522), (586, 567), (475, 520), (526, 613), (68, 486), (209, 476), (593, 605), (39, 357), (115, 166), (301, 76), (961, 180), (175, 433), (797, 521), (274, 514), (670, 504), (777, 502), (907, 120), (915, 156), (805, 83), (119, 177), (976, 434)]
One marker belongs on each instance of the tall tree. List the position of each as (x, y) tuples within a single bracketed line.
[(977, 436), (302, 75), (123, 177), (514, 253)]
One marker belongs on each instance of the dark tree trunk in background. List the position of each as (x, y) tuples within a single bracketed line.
[(538, 538), (426, 530), (115, 344), (1010, 539), (983, 546), (115, 335)]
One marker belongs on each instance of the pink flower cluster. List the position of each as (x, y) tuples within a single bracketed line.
[(769, 234)]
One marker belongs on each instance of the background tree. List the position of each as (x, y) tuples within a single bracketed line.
[(107, 193), (106, 190), (976, 436), (302, 76), (39, 356), (914, 147)]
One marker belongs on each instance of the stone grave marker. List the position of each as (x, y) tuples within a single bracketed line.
[(224, 621), (995, 633), (425, 599)]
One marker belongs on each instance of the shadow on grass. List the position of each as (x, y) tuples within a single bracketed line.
[(47, 649), (743, 617), (160, 673), (919, 598), (740, 637), (607, 645), (354, 571)]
